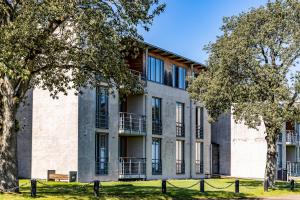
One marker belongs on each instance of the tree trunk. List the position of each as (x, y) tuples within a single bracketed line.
[(271, 162), (8, 137)]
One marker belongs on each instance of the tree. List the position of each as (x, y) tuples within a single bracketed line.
[(251, 71), (62, 45)]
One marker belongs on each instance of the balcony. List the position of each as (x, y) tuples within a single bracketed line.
[(199, 167), (180, 167), (132, 168), (180, 130), (293, 168), (156, 127), (139, 76), (199, 132), (156, 167), (132, 124), (292, 137)]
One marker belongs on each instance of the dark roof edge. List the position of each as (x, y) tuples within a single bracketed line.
[(169, 52)]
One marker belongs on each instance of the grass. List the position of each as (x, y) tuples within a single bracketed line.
[(150, 190)]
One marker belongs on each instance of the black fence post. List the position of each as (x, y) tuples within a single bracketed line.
[(33, 187), (237, 186), (164, 186), (266, 185), (292, 184), (96, 188), (202, 185)]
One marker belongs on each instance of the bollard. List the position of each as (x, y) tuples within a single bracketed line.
[(266, 185), (33, 187), (292, 184), (202, 185), (96, 188), (164, 186), (237, 186)]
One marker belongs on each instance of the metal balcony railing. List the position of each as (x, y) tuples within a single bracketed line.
[(156, 127), (293, 168), (132, 167), (130, 123), (199, 167), (292, 137), (156, 167), (199, 132), (139, 76), (180, 130)]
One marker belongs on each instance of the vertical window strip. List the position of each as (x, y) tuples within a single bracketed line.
[(156, 156), (101, 157), (180, 164), (156, 116), (101, 108)]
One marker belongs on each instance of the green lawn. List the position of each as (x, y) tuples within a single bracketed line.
[(149, 190)]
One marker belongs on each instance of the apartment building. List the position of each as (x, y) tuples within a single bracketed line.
[(103, 134), (239, 151)]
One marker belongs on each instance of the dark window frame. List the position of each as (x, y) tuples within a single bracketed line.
[(179, 77), (180, 121), (101, 161), (156, 70), (180, 162), (102, 112), (156, 104), (199, 122), (156, 161)]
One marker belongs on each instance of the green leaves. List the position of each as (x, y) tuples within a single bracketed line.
[(249, 67), (60, 45)]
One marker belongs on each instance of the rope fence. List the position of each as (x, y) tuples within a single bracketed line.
[(97, 186)]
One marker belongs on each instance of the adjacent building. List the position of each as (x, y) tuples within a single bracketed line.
[(240, 151), (103, 134)]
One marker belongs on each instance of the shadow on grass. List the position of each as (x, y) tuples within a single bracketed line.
[(135, 192)]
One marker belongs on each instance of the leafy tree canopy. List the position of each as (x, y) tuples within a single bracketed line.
[(252, 66), (252, 71), (52, 43)]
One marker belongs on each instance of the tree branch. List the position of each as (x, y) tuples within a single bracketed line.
[(264, 54)]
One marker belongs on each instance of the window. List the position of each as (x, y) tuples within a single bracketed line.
[(180, 167), (180, 119), (155, 69), (279, 155), (199, 122), (156, 156), (156, 116), (101, 108), (101, 154), (179, 74), (199, 158)]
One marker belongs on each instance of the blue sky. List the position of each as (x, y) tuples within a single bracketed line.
[(187, 25)]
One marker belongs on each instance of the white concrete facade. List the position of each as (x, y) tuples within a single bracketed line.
[(243, 150), (61, 133)]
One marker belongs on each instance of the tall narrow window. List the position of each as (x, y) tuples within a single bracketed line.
[(156, 116), (279, 155), (156, 156), (199, 158), (199, 122), (101, 157), (101, 108), (155, 69), (180, 129), (180, 166), (179, 74)]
